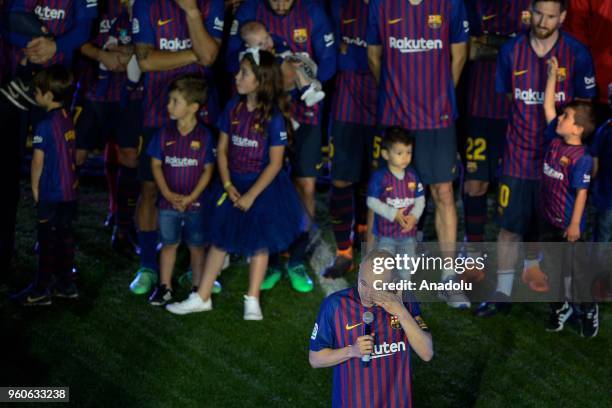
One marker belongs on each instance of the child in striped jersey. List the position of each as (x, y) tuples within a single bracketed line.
[(54, 187), (563, 194), (182, 163), (299, 70), (396, 196), (254, 209)]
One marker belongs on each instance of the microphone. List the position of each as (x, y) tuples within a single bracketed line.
[(368, 318)]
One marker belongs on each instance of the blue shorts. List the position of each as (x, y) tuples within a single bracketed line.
[(518, 206), (350, 149), (175, 224), (97, 122), (144, 160), (305, 152), (484, 148), (397, 246), (435, 155)]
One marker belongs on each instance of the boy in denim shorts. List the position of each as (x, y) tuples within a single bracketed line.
[(182, 163), (396, 196)]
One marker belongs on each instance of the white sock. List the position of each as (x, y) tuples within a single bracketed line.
[(527, 263), (504, 281)]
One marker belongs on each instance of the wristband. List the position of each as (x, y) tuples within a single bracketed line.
[(227, 185)]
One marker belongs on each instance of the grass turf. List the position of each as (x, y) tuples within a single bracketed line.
[(111, 348)]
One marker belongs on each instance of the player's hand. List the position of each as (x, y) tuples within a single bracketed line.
[(572, 233), (233, 194), (186, 201), (391, 302), (410, 221), (401, 219), (112, 60), (245, 202), (40, 50), (553, 66), (125, 52), (363, 346)]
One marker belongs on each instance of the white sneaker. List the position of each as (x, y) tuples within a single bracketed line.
[(455, 299), (192, 304), (252, 310)]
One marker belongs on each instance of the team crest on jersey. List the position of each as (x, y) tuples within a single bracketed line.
[(412, 186), (561, 74), (564, 161), (434, 21), (472, 167), (395, 324), (300, 35), (69, 136), (257, 128), (526, 17), (195, 145)]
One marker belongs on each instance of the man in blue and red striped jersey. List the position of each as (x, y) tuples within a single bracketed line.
[(353, 129), (68, 24), (99, 111), (173, 38), (521, 73), (491, 24), (341, 339), (305, 27), (417, 50)]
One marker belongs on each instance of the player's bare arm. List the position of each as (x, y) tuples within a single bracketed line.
[(572, 233), (150, 59), (329, 357), (112, 59), (204, 45), (374, 58), (459, 54), (420, 340), (549, 93)]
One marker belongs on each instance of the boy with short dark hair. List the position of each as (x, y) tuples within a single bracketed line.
[(565, 182), (54, 187), (396, 195), (182, 163)]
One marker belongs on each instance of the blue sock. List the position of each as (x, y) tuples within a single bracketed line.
[(148, 249)]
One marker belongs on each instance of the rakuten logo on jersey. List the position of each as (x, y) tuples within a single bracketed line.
[(47, 13), (531, 97), (355, 41), (410, 45), (552, 173), (387, 349), (175, 44)]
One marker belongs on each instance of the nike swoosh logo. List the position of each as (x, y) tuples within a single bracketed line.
[(32, 300), (163, 22), (519, 73), (235, 122), (349, 21), (351, 327), (485, 18), (395, 21)]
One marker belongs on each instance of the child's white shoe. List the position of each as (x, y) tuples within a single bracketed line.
[(192, 304), (252, 310)]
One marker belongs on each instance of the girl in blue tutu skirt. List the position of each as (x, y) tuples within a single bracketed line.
[(253, 209)]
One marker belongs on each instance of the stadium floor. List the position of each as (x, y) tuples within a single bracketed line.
[(112, 348)]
